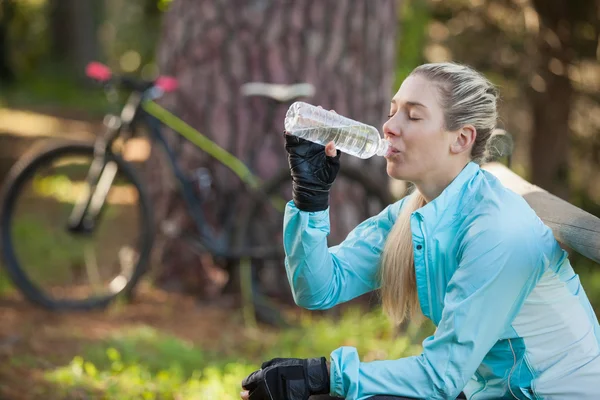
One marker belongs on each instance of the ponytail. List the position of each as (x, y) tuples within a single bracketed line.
[(397, 273)]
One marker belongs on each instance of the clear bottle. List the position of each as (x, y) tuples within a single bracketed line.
[(321, 126)]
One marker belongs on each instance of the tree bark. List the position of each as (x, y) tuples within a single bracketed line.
[(345, 48)]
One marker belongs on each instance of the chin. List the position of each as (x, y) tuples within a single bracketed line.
[(397, 171)]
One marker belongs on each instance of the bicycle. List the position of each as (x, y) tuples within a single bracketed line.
[(100, 215)]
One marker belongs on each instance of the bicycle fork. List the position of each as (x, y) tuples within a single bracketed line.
[(88, 206), (99, 180)]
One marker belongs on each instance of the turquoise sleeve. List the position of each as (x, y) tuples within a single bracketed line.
[(321, 277)]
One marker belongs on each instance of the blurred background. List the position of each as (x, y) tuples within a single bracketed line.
[(184, 335)]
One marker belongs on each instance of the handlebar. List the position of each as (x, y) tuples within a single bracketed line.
[(102, 73)]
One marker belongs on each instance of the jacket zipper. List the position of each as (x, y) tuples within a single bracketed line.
[(430, 303), (484, 382), (512, 369)]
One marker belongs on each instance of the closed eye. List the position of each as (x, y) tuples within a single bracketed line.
[(412, 117)]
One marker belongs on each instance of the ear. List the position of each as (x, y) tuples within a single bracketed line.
[(464, 139)]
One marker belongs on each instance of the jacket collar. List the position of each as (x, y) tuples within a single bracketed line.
[(448, 200)]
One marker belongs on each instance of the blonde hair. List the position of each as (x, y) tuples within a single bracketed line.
[(467, 97)]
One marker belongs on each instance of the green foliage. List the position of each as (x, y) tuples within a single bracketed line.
[(127, 32), (146, 364), (414, 16), (163, 5), (130, 34), (6, 285), (38, 248), (28, 31), (132, 380), (52, 86)]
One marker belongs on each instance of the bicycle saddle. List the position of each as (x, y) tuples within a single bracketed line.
[(278, 92)]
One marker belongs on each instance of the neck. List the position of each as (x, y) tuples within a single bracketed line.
[(435, 183)]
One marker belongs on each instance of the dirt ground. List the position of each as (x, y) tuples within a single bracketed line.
[(45, 340)]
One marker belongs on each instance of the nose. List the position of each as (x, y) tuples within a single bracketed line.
[(391, 128)]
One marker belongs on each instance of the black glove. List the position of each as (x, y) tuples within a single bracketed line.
[(313, 172), (288, 379)]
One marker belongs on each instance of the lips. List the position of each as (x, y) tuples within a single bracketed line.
[(392, 151)]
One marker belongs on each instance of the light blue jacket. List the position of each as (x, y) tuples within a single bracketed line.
[(513, 321)]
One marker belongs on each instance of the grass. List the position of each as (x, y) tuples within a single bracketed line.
[(147, 364)]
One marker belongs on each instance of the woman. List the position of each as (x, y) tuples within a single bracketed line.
[(513, 321)]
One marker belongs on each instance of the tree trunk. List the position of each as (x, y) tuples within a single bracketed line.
[(550, 141), (73, 28), (345, 48), (551, 92), (7, 75)]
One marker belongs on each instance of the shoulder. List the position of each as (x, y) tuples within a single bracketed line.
[(493, 205), (495, 217)]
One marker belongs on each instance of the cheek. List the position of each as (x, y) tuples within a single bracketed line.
[(421, 140), (429, 137)]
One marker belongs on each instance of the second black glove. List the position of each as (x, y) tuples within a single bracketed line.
[(288, 379)]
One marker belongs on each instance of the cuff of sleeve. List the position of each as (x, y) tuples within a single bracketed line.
[(343, 372), (316, 219)]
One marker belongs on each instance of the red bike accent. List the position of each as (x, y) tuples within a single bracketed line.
[(167, 83), (98, 71)]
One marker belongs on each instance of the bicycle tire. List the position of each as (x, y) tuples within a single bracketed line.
[(282, 182), (18, 176)]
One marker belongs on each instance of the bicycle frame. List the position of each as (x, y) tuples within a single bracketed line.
[(207, 238), (101, 174), (154, 115)]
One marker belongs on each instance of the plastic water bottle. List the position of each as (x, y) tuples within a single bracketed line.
[(321, 126)]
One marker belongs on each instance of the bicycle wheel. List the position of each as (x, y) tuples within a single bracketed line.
[(52, 265), (354, 197)]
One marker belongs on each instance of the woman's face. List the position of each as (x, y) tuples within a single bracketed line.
[(420, 144)]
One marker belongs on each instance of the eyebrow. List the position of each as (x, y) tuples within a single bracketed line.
[(411, 103)]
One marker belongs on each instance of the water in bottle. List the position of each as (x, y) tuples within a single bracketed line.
[(321, 126)]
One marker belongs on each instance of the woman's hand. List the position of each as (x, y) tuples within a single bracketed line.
[(313, 171), (287, 378)]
